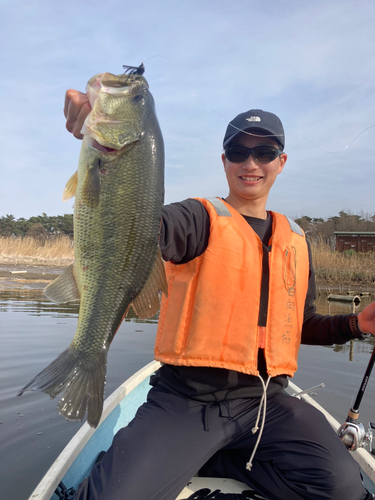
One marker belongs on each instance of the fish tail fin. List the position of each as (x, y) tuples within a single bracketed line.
[(83, 379)]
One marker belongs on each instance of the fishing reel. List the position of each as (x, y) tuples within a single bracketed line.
[(354, 436)]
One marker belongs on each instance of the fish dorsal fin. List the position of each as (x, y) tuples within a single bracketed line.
[(146, 304), (64, 288), (70, 187)]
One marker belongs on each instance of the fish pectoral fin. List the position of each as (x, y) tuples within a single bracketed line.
[(70, 187), (64, 288), (91, 184), (147, 303)]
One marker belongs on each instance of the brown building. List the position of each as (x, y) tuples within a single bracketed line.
[(359, 241)]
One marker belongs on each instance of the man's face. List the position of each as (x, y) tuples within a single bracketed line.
[(252, 180)]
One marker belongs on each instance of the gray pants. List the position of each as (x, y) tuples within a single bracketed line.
[(172, 438)]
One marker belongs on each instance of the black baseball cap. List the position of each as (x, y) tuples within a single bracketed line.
[(255, 120)]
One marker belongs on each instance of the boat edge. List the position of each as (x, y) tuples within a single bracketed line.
[(58, 469), (364, 459)]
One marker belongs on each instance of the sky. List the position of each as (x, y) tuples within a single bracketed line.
[(310, 62)]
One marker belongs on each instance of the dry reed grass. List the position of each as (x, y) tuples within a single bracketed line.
[(342, 268), (53, 252)]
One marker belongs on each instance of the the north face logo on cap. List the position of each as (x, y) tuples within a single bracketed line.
[(253, 119)]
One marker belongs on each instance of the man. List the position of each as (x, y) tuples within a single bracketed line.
[(240, 299)]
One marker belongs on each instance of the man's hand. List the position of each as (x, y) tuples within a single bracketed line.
[(77, 107), (366, 319)]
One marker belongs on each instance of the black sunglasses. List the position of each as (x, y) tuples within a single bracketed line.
[(263, 154)]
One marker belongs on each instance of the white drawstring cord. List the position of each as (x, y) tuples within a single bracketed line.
[(263, 402)]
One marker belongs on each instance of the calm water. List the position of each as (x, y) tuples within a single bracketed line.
[(33, 332)]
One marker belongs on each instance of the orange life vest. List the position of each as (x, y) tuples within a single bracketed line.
[(210, 317)]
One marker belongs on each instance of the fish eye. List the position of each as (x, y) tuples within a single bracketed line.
[(138, 98)]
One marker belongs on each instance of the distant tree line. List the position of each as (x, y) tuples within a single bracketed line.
[(43, 226), (40, 226), (325, 228)]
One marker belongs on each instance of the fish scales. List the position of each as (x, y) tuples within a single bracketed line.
[(119, 197)]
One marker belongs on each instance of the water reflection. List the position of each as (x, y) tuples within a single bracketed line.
[(362, 347), (325, 306), (34, 303)]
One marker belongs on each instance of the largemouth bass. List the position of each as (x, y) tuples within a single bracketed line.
[(119, 190)]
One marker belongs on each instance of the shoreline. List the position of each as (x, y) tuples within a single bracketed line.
[(28, 277), (37, 275)]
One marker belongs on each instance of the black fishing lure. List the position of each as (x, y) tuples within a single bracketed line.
[(134, 70)]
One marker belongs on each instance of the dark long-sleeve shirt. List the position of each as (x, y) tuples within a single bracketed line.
[(184, 236)]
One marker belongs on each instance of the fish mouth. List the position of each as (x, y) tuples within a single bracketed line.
[(104, 149)]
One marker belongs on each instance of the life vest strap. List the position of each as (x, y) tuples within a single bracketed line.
[(219, 207), (294, 226)]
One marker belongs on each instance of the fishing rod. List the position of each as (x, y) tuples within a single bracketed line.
[(353, 434)]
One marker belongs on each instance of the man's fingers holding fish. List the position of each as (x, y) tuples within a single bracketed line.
[(76, 108)]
